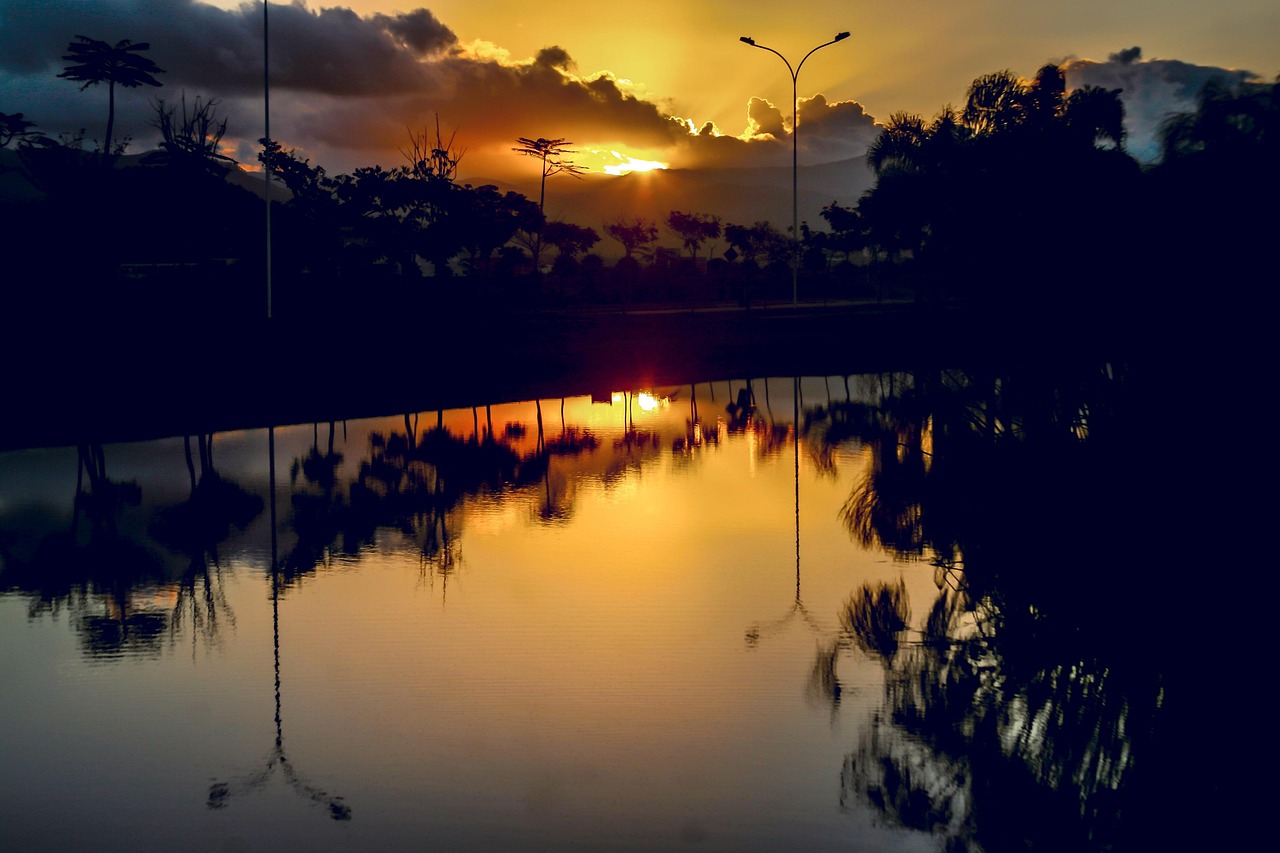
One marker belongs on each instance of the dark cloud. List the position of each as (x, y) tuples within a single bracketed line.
[(764, 119), (417, 30), (345, 88), (1126, 56), (829, 132), (327, 50), (555, 57), (834, 131), (1152, 90)]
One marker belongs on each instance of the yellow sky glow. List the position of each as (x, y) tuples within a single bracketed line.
[(625, 164)]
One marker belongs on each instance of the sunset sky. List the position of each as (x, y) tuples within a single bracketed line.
[(657, 80)]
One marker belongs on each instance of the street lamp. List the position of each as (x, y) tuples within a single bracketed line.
[(795, 204)]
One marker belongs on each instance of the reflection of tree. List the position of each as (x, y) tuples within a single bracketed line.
[(1030, 709), (95, 569), (124, 593), (195, 529), (875, 617), (411, 483)]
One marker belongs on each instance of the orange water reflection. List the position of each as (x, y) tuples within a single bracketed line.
[(490, 631)]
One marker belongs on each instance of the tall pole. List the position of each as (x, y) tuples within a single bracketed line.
[(795, 170), (266, 134), (795, 231)]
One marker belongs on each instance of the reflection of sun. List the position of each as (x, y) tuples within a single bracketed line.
[(646, 400)]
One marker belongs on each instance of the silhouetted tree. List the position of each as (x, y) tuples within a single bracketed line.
[(552, 157), (693, 229), (94, 62), (570, 240), (551, 154), (438, 159), (635, 233), (487, 219), (15, 126), (1229, 121), (193, 137), (847, 234)]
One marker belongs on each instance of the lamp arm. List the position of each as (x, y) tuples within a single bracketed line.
[(811, 53), (793, 73)]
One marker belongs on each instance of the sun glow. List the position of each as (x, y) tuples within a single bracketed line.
[(647, 401), (617, 163)]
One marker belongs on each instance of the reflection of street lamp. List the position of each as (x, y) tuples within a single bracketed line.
[(795, 205)]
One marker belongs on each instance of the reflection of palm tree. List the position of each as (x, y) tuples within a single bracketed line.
[(1028, 709), (94, 569), (196, 528), (875, 617)]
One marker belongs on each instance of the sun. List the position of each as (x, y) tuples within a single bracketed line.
[(612, 162)]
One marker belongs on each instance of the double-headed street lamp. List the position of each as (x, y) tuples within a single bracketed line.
[(795, 204)]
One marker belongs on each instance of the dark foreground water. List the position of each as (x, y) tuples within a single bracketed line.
[(896, 612)]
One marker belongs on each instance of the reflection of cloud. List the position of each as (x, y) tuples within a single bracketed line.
[(1152, 90)]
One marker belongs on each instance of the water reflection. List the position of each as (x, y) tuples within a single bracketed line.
[(195, 529), (1021, 713), (131, 579), (1022, 702), (220, 793)]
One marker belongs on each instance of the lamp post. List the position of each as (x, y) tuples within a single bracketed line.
[(795, 204), (266, 141)]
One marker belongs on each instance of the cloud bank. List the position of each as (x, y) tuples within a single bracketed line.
[(345, 88), (1152, 91)]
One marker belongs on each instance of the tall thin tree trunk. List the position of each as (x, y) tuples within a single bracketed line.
[(111, 121)]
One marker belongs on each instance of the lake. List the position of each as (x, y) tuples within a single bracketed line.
[(886, 612)]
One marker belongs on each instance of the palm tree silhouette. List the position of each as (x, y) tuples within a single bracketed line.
[(94, 62)]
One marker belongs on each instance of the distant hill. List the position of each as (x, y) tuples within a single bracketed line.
[(15, 187), (740, 196)]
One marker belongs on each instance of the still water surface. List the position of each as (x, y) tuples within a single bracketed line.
[(644, 621)]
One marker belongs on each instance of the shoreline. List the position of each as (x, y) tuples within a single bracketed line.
[(138, 384)]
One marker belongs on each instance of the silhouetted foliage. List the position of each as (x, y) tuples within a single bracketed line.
[(16, 126), (693, 229), (191, 138), (1037, 709), (92, 62), (949, 192), (551, 155), (635, 234)]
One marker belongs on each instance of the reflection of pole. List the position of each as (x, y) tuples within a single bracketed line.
[(221, 792), (275, 643), (541, 443), (796, 444), (275, 580)]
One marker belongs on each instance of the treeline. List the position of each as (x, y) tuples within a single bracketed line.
[(1023, 197), (1026, 196)]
